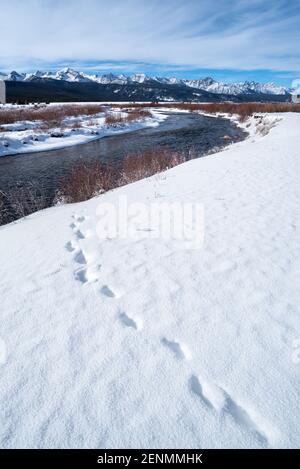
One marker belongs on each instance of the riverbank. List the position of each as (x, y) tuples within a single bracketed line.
[(46, 173), (146, 343), (25, 136)]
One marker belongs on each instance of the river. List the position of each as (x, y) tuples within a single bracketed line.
[(181, 132)]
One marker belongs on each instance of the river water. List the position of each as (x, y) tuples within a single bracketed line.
[(180, 132)]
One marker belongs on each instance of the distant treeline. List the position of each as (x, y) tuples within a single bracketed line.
[(48, 90)]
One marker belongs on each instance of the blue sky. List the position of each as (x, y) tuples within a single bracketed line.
[(230, 40)]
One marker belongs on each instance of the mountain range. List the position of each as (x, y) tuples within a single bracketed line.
[(206, 84), (68, 85)]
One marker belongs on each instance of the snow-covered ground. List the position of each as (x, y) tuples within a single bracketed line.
[(145, 343), (28, 136)]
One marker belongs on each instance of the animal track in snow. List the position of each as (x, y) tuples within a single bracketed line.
[(216, 398), (71, 246), (243, 418), (80, 258), (87, 275), (79, 234), (180, 351), (85, 257), (210, 394), (79, 218), (106, 291), (75, 227), (129, 322)]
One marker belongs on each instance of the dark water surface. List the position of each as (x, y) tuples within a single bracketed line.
[(180, 132)]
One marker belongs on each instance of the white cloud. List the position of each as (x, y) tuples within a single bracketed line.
[(296, 86), (239, 34)]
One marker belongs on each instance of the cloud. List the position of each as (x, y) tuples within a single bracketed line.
[(228, 34), (296, 86)]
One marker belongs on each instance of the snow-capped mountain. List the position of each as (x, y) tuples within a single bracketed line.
[(139, 78), (247, 87), (109, 78), (204, 84), (15, 76), (102, 89)]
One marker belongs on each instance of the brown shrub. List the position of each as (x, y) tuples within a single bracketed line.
[(114, 119), (87, 181), (22, 201), (46, 126), (48, 114), (141, 165), (244, 110), (138, 114), (132, 116), (5, 216), (90, 123), (76, 125)]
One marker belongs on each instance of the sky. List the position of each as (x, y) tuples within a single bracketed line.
[(230, 40)]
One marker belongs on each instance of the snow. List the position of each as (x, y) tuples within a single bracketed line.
[(136, 343), (26, 137)]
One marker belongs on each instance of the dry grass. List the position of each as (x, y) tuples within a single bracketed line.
[(56, 114), (91, 123), (114, 119), (138, 114), (47, 114), (263, 125), (5, 216), (20, 202), (77, 124), (47, 126), (147, 163), (87, 181), (244, 110)]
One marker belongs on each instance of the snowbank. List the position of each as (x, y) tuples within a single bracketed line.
[(123, 343)]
